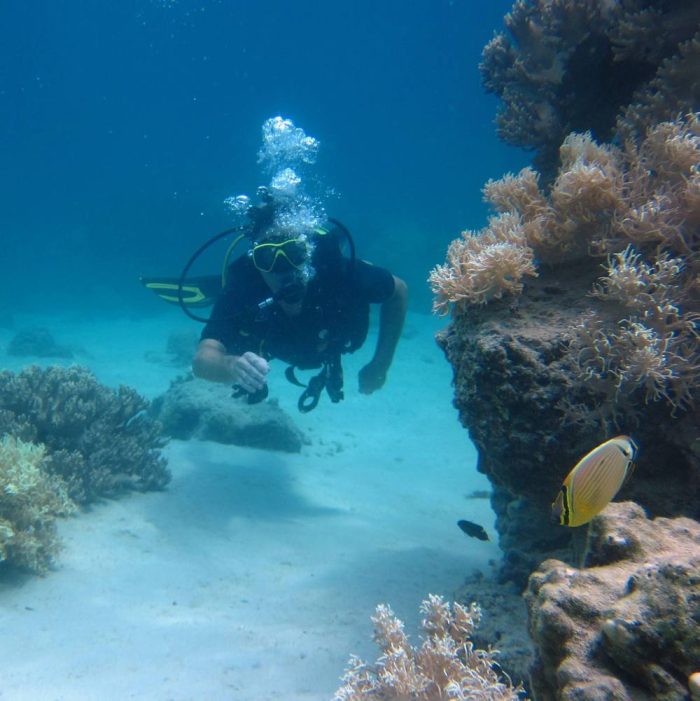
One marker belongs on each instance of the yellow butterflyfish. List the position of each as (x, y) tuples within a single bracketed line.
[(594, 481)]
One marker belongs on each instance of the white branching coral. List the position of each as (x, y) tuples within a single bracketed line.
[(579, 209), (646, 288), (518, 193), (446, 666), (484, 265)]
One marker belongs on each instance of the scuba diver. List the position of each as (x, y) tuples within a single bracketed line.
[(297, 294), (304, 299)]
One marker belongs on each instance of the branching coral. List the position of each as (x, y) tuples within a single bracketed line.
[(446, 666), (483, 266), (99, 441), (30, 500), (603, 198), (619, 361)]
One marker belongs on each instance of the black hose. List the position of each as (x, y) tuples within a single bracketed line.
[(192, 259)]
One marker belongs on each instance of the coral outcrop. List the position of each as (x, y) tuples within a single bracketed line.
[(30, 501), (605, 340), (38, 342), (99, 441), (599, 335), (445, 666), (608, 67), (627, 624), (206, 411)]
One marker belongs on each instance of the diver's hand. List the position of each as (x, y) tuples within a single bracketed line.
[(371, 378), (249, 371)]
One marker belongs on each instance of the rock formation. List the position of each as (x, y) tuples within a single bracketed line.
[(627, 624), (204, 410)]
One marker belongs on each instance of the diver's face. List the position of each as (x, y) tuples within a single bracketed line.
[(288, 289)]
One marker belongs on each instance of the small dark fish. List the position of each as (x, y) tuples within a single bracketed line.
[(473, 530)]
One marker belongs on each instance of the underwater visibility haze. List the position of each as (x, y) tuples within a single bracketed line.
[(443, 414), (125, 125)]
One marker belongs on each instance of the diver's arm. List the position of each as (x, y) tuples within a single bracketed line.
[(211, 362), (391, 317)]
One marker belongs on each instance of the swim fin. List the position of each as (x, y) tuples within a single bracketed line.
[(196, 291)]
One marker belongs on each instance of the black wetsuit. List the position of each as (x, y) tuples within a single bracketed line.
[(334, 318)]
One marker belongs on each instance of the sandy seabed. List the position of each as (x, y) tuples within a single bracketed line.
[(252, 577)]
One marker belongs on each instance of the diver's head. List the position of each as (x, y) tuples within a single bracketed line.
[(283, 260), (279, 251)]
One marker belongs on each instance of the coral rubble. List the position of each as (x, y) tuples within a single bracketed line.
[(204, 410), (99, 441), (446, 666), (627, 624)]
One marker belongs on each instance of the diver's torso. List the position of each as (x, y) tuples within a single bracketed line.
[(325, 326)]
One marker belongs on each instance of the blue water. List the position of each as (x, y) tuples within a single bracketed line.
[(124, 125)]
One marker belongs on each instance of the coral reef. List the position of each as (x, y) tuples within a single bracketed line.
[(600, 337), (627, 624), (38, 342), (607, 67), (30, 500), (532, 415), (484, 265), (206, 411), (675, 89), (446, 666), (603, 199), (99, 441), (588, 350)]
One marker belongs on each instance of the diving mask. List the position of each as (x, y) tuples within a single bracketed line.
[(277, 257)]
